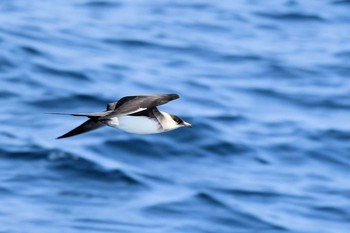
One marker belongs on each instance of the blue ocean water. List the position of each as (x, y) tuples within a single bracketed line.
[(264, 83)]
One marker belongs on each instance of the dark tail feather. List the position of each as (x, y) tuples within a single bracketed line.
[(83, 128), (93, 114)]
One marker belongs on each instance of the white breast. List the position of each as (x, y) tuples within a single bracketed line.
[(135, 124)]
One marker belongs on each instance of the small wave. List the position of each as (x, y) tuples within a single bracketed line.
[(259, 195), (191, 50), (67, 162), (91, 168), (5, 191), (87, 169), (331, 213), (29, 152), (331, 157), (292, 16), (220, 213), (334, 134), (8, 94), (103, 4), (304, 99), (69, 102), (190, 205), (227, 148), (31, 50), (25, 32), (144, 147), (132, 43), (74, 75), (5, 64), (341, 2), (192, 5), (242, 58), (343, 54)]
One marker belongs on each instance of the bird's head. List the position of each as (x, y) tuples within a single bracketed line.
[(178, 122)]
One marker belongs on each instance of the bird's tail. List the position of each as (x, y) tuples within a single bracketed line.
[(90, 115)]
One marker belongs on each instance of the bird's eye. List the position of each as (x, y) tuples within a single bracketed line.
[(177, 119)]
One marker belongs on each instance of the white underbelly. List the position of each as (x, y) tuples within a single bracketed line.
[(135, 124)]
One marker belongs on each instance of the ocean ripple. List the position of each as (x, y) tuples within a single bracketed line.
[(265, 86)]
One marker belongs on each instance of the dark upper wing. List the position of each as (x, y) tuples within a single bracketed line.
[(87, 126), (133, 104)]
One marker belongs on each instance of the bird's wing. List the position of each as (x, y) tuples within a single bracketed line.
[(87, 126), (153, 113), (133, 104)]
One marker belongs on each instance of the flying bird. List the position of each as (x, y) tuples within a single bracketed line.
[(134, 114)]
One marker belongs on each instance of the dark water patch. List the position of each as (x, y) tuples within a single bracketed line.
[(291, 17), (80, 194), (208, 100), (115, 223), (8, 135), (118, 67), (212, 209), (192, 5), (337, 102), (142, 44), (102, 4), (199, 85), (329, 191), (87, 169), (69, 102), (62, 73), (278, 70), (271, 93), (192, 205), (66, 162), (331, 157), (343, 54), (31, 50), (94, 228), (341, 69), (304, 99), (23, 32), (192, 50), (25, 153), (241, 58), (331, 213), (177, 63), (330, 134), (288, 153), (142, 147), (341, 2), (206, 27), (5, 191), (238, 119), (227, 148), (133, 43), (5, 64), (263, 196), (7, 94), (332, 149), (205, 197)]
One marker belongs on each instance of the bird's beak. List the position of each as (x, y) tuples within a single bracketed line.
[(187, 124)]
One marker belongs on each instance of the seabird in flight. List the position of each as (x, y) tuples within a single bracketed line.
[(134, 114)]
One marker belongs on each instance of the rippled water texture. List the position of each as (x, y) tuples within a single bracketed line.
[(264, 83)]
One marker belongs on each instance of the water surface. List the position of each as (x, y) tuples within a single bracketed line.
[(265, 85)]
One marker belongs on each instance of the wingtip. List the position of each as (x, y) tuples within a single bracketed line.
[(174, 96)]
